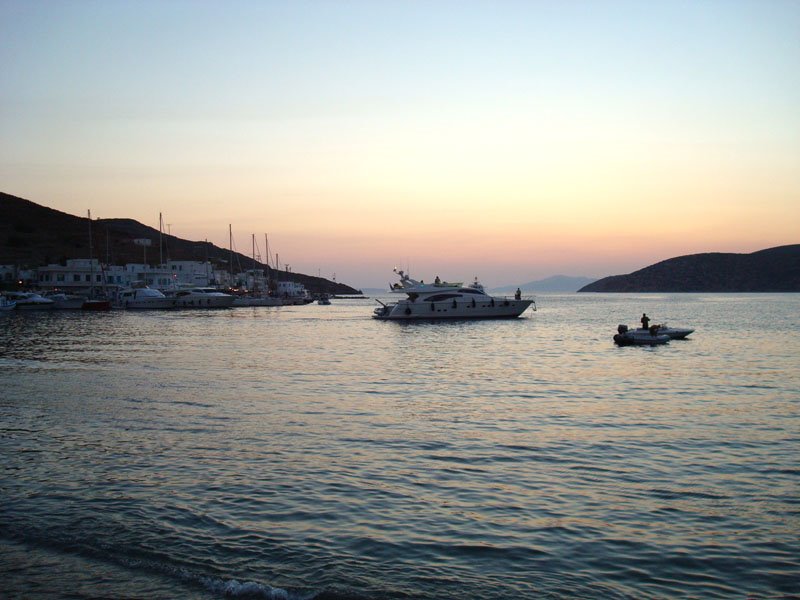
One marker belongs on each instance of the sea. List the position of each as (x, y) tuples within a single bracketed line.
[(314, 453)]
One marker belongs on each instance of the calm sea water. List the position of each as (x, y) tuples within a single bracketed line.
[(312, 452)]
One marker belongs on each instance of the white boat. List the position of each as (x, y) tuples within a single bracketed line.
[(30, 301), (139, 296), (199, 297), (639, 337), (66, 301), (442, 300), (257, 300), (6, 305)]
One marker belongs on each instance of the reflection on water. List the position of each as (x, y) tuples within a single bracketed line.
[(315, 452)]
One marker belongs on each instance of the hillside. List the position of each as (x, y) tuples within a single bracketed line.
[(32, 235), (771, 270)]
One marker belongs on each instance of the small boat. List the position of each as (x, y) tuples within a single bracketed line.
[(139, 296), (199, 297), (6, 305), (639, 337), (30, 301), (443, 300), (324, 300)]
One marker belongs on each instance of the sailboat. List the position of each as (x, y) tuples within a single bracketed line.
[(93, 303), (257, 297)]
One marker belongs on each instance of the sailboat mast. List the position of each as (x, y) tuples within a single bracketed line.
[(208, 277), (230, 243), (160, 241), (91, 260)]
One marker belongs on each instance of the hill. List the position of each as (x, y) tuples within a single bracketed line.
[(556, 283), (32, 235), (771, 270)]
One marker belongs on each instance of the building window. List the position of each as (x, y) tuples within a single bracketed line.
[(76, 277), (60, 277)]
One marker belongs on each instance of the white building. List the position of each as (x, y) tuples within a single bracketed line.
[(292, 290), (78, 274), (191, 272)]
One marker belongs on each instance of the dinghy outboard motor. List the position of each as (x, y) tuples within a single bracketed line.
[(622, 329)]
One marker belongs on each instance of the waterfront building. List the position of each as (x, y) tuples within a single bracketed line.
[(78, 274)]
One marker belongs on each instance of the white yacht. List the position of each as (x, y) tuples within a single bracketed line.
[(443, 300), (199, 297), (30, 301), (139, 296)]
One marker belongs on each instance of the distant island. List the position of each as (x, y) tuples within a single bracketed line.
[(771, 270), (556, 283), (32, 235)]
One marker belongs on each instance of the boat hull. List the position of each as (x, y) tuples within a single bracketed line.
[(411, 311), (35, 305), (148, 303), (640, 338), (205, 302)]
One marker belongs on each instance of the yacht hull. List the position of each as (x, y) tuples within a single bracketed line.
[(411, 311), (148, 303), (205, 302)]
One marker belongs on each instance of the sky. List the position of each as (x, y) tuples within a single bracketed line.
[(505, 140)]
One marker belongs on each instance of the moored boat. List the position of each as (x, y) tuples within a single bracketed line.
[(139, 296), (443, 300), (30, 301), (199, 297)]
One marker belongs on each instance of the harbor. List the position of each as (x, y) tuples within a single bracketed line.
[(314, 452)]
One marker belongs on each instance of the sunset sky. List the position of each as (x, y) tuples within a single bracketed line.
[(508, 140)]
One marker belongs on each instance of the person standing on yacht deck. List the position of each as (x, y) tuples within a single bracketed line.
[(518, 295), (645, 321)]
